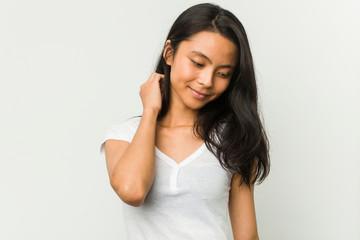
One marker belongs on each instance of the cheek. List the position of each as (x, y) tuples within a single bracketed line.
[(182, 73), (188, 73), (222, 86)]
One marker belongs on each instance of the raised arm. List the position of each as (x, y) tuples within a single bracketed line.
[(131, 166)]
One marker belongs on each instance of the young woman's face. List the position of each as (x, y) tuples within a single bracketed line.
[(202, 68)]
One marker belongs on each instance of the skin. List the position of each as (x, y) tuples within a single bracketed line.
[(211, 75), (131, 166), (242, 209), (189, 69), (200, 64)]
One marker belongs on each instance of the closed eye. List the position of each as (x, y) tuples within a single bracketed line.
[(197, 64)]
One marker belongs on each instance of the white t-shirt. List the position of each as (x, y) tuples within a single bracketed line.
[(186, 201)]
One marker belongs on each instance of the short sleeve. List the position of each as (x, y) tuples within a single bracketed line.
[(121, 131)]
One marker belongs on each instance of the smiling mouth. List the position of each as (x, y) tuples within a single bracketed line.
[(197, 94)]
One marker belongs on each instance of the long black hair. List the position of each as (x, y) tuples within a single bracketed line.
[(233, 117)]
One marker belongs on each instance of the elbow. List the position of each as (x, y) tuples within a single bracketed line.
[(132, 198), (129, 194)]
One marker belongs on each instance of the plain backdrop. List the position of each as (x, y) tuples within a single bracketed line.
[(70, 69)]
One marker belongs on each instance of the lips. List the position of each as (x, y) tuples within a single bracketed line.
[(200, 92), (198, 95)]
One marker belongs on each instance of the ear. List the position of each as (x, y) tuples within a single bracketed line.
[(168, 53)]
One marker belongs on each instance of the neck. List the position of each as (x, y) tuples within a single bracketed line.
[(178, 116)]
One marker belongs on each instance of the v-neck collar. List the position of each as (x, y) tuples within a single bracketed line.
[(187, 160)]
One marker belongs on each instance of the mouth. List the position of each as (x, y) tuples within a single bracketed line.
[(198, 94)]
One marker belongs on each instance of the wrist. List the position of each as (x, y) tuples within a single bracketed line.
[(150, 112)]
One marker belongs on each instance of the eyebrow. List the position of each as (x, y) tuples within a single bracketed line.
[(204, 56)]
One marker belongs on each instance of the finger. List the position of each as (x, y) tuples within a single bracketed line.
[(153, 77), (160, 77)]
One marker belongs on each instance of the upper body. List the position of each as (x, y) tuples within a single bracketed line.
[(173, 185), (188, 198)]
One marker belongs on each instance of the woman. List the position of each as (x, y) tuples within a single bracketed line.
[(189, 163)]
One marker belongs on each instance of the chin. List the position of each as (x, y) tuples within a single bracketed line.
[(197, 105)]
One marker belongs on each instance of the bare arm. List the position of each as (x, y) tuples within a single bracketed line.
[(131, 166), (242, 210), (132, 173)]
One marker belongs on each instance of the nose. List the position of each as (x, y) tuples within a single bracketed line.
[(206, 78)]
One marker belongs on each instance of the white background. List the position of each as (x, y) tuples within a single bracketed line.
[(70, 69)]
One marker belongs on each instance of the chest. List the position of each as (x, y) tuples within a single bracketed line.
[(186, 169), (178, 144), (199, 177)]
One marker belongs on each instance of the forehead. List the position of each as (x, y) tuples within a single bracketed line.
[(213, 45)]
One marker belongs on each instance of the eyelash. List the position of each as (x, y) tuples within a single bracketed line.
[(197, 64), (201, 65), (224, 75)]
